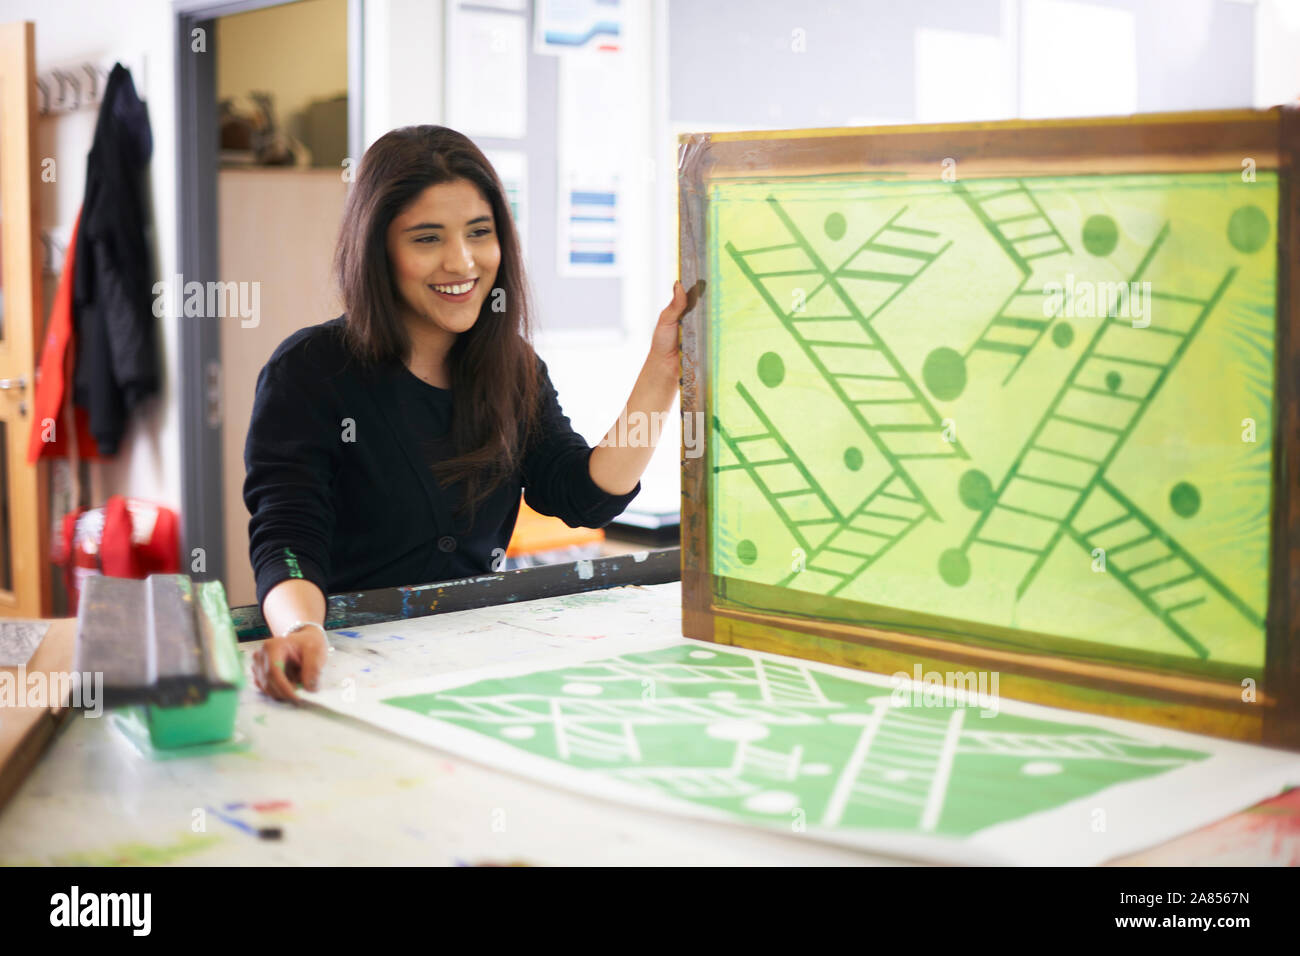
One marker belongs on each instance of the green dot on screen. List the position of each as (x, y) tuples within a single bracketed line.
[(944, 372), (1185, 499), (1114, 380), (747, 551), (954, 567), (1063, 334), (975, 490), (835, 226), (1248, 229), (771, 369), (1100, 235), (853, 458)]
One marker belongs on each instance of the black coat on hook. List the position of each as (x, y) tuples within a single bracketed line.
[(117, 343)]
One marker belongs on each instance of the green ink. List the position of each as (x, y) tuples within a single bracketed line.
[(1184, 499), (1100, 235), (1248, 229), (771, 370), (944, 374), (1054, 453), (759, 738)]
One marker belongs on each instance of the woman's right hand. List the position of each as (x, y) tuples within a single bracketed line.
[(282, 663)]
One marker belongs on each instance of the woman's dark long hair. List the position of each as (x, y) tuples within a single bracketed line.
[(493, 367)]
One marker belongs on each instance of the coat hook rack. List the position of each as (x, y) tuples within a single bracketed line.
[(69, 89)]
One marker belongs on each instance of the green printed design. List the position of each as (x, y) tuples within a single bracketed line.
[(774, 741), (291, 560), (1019, 404)]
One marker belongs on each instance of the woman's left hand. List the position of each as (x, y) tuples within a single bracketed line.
[(663, 344)]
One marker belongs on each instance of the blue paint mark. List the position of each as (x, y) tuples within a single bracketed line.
[(237, 824), (353, 634), (396, 637), (234, 806)]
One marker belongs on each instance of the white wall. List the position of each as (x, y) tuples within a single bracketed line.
[(594, 378), (403, 40), (139, 33), (403, 65), (1277, 52)]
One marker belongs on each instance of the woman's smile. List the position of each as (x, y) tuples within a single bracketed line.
[(456, 291)]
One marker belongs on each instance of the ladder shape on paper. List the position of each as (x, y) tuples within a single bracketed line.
[(1018, 224), (752, 760), (1155, 568), (884, 518), (862, 371), (1065, 746), (801, 504), (787, 684), (1082, 430), (1018, 324), (902, 762), (575, 737), (691, 782)]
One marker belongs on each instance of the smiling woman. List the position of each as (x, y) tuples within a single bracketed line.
[(389, 446)]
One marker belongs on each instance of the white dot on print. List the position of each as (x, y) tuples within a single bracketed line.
[(580, 689), (1041, 768), (771, 801), (737, 730), (723, 695), (702, 655), (895, 776), (815, 769), (519, 732)]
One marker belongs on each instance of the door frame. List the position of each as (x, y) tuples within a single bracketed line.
[(24, 316), (202, 527)]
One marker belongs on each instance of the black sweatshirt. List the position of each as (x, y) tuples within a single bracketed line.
[(339, 481)]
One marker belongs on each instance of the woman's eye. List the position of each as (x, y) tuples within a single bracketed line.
[(482, 232), (427, 239)]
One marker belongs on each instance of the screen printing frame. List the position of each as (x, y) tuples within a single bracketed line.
[(1214, 141)]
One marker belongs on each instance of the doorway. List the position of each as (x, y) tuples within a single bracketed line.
[(267, 118)]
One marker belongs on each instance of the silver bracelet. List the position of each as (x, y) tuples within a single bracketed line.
[(299, 625)]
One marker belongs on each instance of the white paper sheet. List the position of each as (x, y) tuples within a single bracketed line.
[(566, 26), (512, 166), (626, 720), (487, 64), (593, 113)]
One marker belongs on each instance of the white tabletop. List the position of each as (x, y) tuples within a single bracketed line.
[(344, 793)]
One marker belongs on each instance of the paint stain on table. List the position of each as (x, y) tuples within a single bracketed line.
[(1268, 834), (139, 854)]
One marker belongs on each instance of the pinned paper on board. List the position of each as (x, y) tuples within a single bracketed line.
[(562, 27), (591, 160), (512, 166), (487, 67), (589, 223)]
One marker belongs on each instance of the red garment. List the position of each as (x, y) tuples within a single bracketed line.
[(127, 538), (51, 392)]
